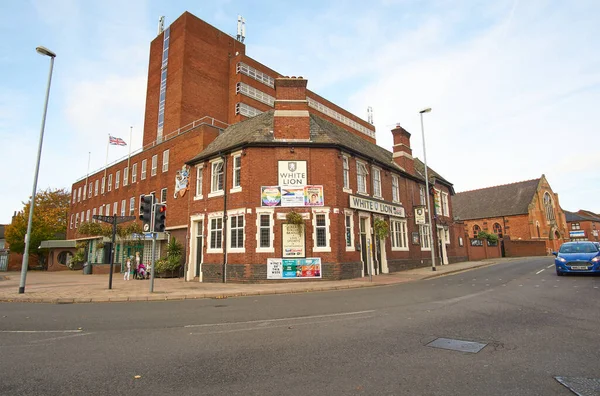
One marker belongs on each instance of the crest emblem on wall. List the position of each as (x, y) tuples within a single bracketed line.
[(292, 166), (182, 181)]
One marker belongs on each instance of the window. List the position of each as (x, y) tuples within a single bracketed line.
[(476, 230), (165, 163), (445, 206), (255, 74), (498, 229), (422, 199), (399, 235), (575, 226), (236, 240), (376, 182), (537, 225), (395, 189), (340, 117), (131, 206), (361, 177), (346, 172), (76, 220), (245, 110), (237, 171), (110, 182), (143, 176), (115, 208), (163, 195), (446, 235), (349, 230), (123, 207), (84, 191), (437, 202), (425, 235), (134, 173), (107, 211), (71, 222), (79, 194), (254, 93), (90, 190), (321, 234), (74, 195), (117, 179), (154, 165), (103, 185), (101, 210), (264, 227), (215, 235), (87, 216), (96, 188), (93, 214), (199, 170), (217, 176), (548, 207), (125, 176)]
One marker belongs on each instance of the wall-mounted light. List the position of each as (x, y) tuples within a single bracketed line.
[(291, 149)]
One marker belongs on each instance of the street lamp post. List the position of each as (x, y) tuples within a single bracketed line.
[(431, 244), (25, 264)]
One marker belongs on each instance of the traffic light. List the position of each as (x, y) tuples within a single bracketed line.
[(146, 202), (160, 215)]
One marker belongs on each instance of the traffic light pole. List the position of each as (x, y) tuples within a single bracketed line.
[(112, 251), (153, 258)]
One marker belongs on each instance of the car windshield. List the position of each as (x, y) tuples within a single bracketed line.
[(579, 248)]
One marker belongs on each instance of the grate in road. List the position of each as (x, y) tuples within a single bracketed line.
[(581, 386), (456, 345)]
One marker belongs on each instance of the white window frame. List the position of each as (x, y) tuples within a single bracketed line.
[(96, 187), (74, 195), (395, 189), (199, 181), (215, 216), (399, 234), (76, 220), (93, 214), (101, 210), (327, 247), (79, 194), (360, 167), (90, 195), (103, 185), (134, 173), (447, 235), (236, 171), (231, 214), (107, 210), (115, 208), (109, 183), (422, 195), (117, 179), (87, 216), (376, 179), (425, 239), (72, 221), (143, 172), (123, 207), (125, 176), (346, 174), (437, 202), (348, 213), (165, 161), (445, 206), (131, 206), (271, 213), (84, 191), (213, 164), (154, 165)]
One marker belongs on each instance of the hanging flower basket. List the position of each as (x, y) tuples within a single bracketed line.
[(295, 219), (382, 229)]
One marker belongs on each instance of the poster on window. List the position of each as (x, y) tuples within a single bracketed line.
[(293, 240), (305, 268), (270, 196)]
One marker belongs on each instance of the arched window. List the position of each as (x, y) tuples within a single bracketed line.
[(537, 225), (548, 207), (476, 230), (498, 230)]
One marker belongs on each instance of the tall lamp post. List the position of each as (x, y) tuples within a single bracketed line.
[(25, 264), (431, 244)]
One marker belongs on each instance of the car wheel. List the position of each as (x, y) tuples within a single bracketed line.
[(559, 273)]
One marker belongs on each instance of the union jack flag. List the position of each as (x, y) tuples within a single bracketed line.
[(116, 141)]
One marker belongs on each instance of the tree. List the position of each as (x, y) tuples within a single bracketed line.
[(49, 221)]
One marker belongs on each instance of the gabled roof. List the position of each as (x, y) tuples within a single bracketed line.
[(504, 200), (257, 131), (572, 216), (420, 169), (590, 214)]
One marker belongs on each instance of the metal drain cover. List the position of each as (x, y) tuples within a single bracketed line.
[(456, 345), (581, 386)]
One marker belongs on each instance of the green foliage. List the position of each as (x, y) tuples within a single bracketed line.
[(491, 238), (49, 221), (77, 259), (382, 229), (295, 219), (173, 260)]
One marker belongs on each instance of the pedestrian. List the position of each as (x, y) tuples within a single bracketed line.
[(137, 264), (135, 270), (127, 269)]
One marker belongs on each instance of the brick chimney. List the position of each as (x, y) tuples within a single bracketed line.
[(402, 151), (291, 120)]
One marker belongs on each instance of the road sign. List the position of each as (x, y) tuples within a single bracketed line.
[(111, 219)]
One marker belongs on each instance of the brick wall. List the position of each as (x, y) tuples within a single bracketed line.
[(517, 248)]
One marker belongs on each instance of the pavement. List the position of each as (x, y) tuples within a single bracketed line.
[(67, 287)]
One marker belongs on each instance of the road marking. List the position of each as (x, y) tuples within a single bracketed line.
[(41, 331), (550, 266), (542, 270), (282, 319), (59, 338)]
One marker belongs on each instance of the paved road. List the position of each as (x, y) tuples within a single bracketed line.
[(358, 342)]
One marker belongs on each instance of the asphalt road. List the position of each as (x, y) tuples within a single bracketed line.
[(372, 341)]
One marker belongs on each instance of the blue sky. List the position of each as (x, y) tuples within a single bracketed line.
[(514, 85)]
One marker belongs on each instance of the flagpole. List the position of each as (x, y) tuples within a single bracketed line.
[(129, 156), (106, 164)]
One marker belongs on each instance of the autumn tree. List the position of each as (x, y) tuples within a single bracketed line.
[(49, 221)]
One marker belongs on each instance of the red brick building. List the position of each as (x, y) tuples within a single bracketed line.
[(201, 85), (525, 211), (583, 225)]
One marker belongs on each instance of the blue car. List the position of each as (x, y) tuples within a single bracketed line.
[(576, 257)]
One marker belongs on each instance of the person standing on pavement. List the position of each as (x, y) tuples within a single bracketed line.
[(127, 269)]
